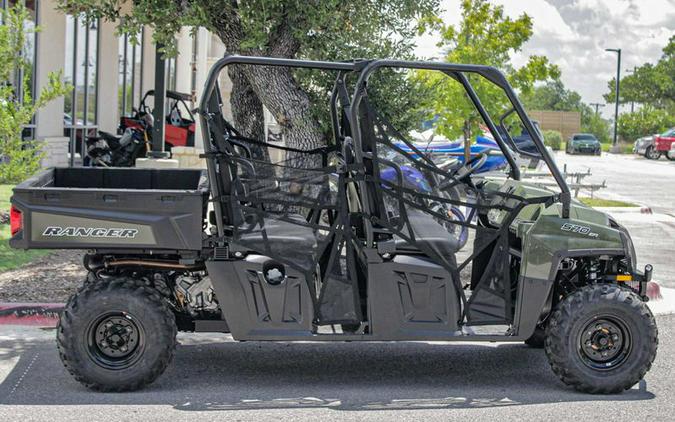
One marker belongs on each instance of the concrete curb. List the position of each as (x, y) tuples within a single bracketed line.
[(665, 305), (30, 314)]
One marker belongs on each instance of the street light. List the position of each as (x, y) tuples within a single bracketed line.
[(616, 101)]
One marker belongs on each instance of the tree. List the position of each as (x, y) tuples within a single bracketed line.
[(554, 96), (484, 36), (19, 158), (645, 121), (650, 84), (592, 122), (326, 29)]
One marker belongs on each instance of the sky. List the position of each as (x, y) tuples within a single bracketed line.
[(573, 34)]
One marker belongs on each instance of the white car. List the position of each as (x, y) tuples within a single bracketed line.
[(645, 146)]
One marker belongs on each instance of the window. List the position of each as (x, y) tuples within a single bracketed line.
[(30, 53), (131, 89), (81, 70)]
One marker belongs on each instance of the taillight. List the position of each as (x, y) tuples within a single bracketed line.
[(15, 220)]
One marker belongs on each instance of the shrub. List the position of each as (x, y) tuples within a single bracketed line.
[(19, 159), (553, 139), (645, 121)]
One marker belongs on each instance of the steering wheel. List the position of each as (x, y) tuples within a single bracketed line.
[(470, 166)]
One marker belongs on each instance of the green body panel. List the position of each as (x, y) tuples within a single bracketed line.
[(546, 237)]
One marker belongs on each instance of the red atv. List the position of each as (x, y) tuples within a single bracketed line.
[(179, 124), (663, 143)]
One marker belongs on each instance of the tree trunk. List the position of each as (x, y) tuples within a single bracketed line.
[(247, 110)]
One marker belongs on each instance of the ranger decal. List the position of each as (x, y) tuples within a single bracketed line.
[(56, 231)]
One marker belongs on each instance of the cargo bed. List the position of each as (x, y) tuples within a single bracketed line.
[(112, 208)]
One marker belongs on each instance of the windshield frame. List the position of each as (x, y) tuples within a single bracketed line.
[(458, 71)]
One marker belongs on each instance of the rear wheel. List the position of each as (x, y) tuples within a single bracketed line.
[(670, 155), (116, 335), (651, 153), (601, 339)]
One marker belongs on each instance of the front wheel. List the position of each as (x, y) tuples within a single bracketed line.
[(116, 335), (670, 155), (601, 339)]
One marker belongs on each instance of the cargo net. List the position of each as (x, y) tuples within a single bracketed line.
[(283, 201), (427, 205)]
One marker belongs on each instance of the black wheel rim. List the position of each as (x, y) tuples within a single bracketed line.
[(115, 340), (605, 343)]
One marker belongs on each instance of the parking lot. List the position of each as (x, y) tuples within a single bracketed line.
[(214, 378), (646, 183)]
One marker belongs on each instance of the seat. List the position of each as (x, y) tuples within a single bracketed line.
[(279, 232), (430, 233)]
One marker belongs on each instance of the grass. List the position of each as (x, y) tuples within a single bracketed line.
[(12, 258), (5, 193), (625, 148), (599, 202)]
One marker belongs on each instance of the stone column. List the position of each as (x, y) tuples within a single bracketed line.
[(50, 58), (108, 77)]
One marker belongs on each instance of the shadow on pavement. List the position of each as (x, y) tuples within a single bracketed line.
[(217, 374)]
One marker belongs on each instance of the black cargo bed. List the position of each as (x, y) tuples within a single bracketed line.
[(112, 208)]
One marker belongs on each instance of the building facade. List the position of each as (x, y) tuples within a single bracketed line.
[(110, 74)]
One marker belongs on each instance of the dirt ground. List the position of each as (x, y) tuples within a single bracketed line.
[(52, 278)]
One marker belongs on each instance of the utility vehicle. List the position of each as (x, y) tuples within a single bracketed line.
[(179, 127), (284, 244)]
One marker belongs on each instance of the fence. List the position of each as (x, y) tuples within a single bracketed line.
[(565, 122)]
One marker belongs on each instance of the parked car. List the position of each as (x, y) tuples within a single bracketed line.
[(664, 142), (583, 143), (645, 146)]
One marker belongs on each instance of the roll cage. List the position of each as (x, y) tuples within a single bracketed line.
[(256, 203)]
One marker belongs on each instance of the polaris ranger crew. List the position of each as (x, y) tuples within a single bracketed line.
[(279, 243)]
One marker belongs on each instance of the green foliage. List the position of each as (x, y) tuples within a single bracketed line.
[(553, 139), (645, 121), (552, 96), (12, 258), (484, 36), (649, 84), (332, 30), (19, 159), (595, 124)]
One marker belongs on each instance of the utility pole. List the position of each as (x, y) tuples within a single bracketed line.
[(596, 105), (615, 147), (632, 103)]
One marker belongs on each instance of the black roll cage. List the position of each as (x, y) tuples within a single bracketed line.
[(365, 69)]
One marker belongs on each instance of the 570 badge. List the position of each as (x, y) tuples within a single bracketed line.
[(575, 228)]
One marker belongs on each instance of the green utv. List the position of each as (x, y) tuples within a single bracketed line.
[(276, 243)]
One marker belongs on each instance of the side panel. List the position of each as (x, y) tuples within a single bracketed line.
[(552, 237), (257, 310), (411, 298)]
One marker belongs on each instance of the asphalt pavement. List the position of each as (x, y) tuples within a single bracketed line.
[(629, 178), (214, 378), (647, 183)]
